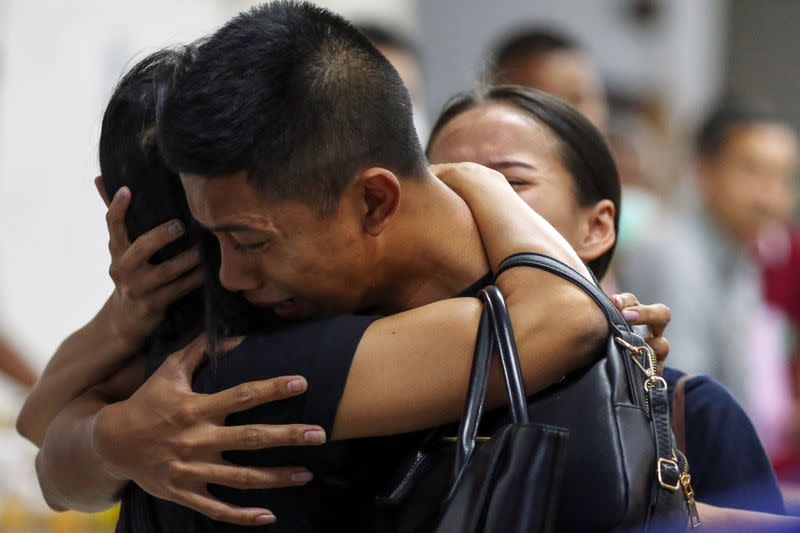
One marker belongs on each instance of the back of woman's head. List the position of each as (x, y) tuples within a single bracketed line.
[(583, 150), (130, 156), (129, 153)]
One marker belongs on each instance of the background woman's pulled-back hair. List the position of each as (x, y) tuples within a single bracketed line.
[(298, 98), (583, 150)]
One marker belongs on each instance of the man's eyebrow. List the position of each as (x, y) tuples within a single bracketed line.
[(229, 228)]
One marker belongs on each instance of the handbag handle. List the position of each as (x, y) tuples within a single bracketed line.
[(554, 266), (494, 332), (620, 329)]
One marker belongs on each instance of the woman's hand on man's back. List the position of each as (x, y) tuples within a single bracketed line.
[(169, 439)]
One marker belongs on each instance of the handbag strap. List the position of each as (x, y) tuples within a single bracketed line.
[(614, 318), (476, 392), (668, 470), (506, 346), (494, 332)]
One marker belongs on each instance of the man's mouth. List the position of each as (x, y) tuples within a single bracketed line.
[(286, 305), (286, 308)]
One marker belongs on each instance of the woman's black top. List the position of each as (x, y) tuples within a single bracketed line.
[(322, 352)]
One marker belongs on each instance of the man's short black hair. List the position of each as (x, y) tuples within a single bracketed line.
[(295, 96), (530, 43), (717, 127)]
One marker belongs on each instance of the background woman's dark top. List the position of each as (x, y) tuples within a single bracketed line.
[(728, 464)]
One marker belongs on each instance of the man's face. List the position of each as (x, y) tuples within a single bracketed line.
[(750, 184), (283, 254)]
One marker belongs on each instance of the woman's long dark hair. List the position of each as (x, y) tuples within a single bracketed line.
[(130, 156), (584, 152)]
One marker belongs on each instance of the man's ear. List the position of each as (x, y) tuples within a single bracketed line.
[(599, 234), (101, 189), (380, 194)]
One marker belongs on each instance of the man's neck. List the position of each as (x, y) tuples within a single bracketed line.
[(433, 250)]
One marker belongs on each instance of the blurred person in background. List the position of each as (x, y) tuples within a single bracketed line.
[(779, 257), (406, 58), (553, 62), (14, 365), (639, 137), (702, 262)]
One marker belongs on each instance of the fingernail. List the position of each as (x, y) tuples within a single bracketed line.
[(315, 436), (297, 385), (176, 228), (302, 477), (265, 519), (630, 315), (617, 299), (121, 192)]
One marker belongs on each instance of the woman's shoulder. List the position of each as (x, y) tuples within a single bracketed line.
[(330, 333), (319, 350)]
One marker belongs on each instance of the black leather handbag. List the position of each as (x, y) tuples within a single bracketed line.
[(623, 471), (511, 483)]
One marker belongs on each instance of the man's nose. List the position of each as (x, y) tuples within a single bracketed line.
[(235, 274)]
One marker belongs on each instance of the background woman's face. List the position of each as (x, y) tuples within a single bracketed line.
[(526, 152)]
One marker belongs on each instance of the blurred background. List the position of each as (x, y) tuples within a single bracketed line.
[(657, 69)]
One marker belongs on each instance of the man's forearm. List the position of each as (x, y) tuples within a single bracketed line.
[(71, 474), (85, 358)]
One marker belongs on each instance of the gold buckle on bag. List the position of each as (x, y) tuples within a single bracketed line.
[(670, 462)]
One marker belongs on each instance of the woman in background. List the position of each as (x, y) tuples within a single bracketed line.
[(557, 162)]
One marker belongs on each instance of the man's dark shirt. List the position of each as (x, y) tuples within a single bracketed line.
[(728, 464)]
